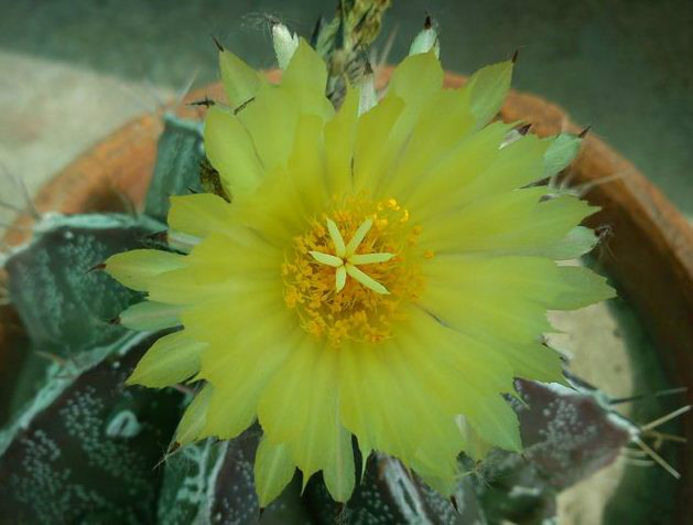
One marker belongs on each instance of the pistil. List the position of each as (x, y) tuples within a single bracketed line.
[(346, 260)]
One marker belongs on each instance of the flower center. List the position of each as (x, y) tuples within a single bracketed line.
[(348, 275), (346, 260)]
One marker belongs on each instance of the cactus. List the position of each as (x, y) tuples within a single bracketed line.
[(83, 447)]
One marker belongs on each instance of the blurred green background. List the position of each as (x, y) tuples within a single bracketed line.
[(622, 66)]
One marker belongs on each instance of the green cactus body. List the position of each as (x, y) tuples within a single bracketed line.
[(85, 449), (65, 305)]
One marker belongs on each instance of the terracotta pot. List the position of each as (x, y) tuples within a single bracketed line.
[(649, 256)]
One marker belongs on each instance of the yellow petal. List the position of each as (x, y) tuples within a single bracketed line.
[(231, 151), (578, 287), (188, 286), (170, 360), (239, 362), (136, 268), (313, 433), (502, 301), (221, 264), (448, 118), (306, 166), (192, 423), (515, 166), (239, 253), (504, 317), (405, 384), (444, 181), (199, 214), (227, 321), (276, 409), (371, 401), (271, 120), (442, 124), (383, 131), (431, 403), (375, 147), (488, 88), (340, 133), (241, 81), (415, 80), (480, 377), (532, 360), (149, 316), (306, 78), (579, 241), (511, 222), (535, 279), (273, 471), (339, 472)]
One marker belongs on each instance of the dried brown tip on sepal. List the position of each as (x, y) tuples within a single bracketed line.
[(260, 513), (51, 357), (341, 509), (367, 68), (217, 43), (243, 105), (115, 321), (100, 266), (316, 31), (183, 389), (206, 102), (524, 129), (514, 57), (453, 502), (584, 132), (428, 22), (161, 236)]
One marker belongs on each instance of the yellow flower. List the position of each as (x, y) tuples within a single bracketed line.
[(384, 274)]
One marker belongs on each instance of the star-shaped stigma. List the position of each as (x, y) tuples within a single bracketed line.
[(346, 260)]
